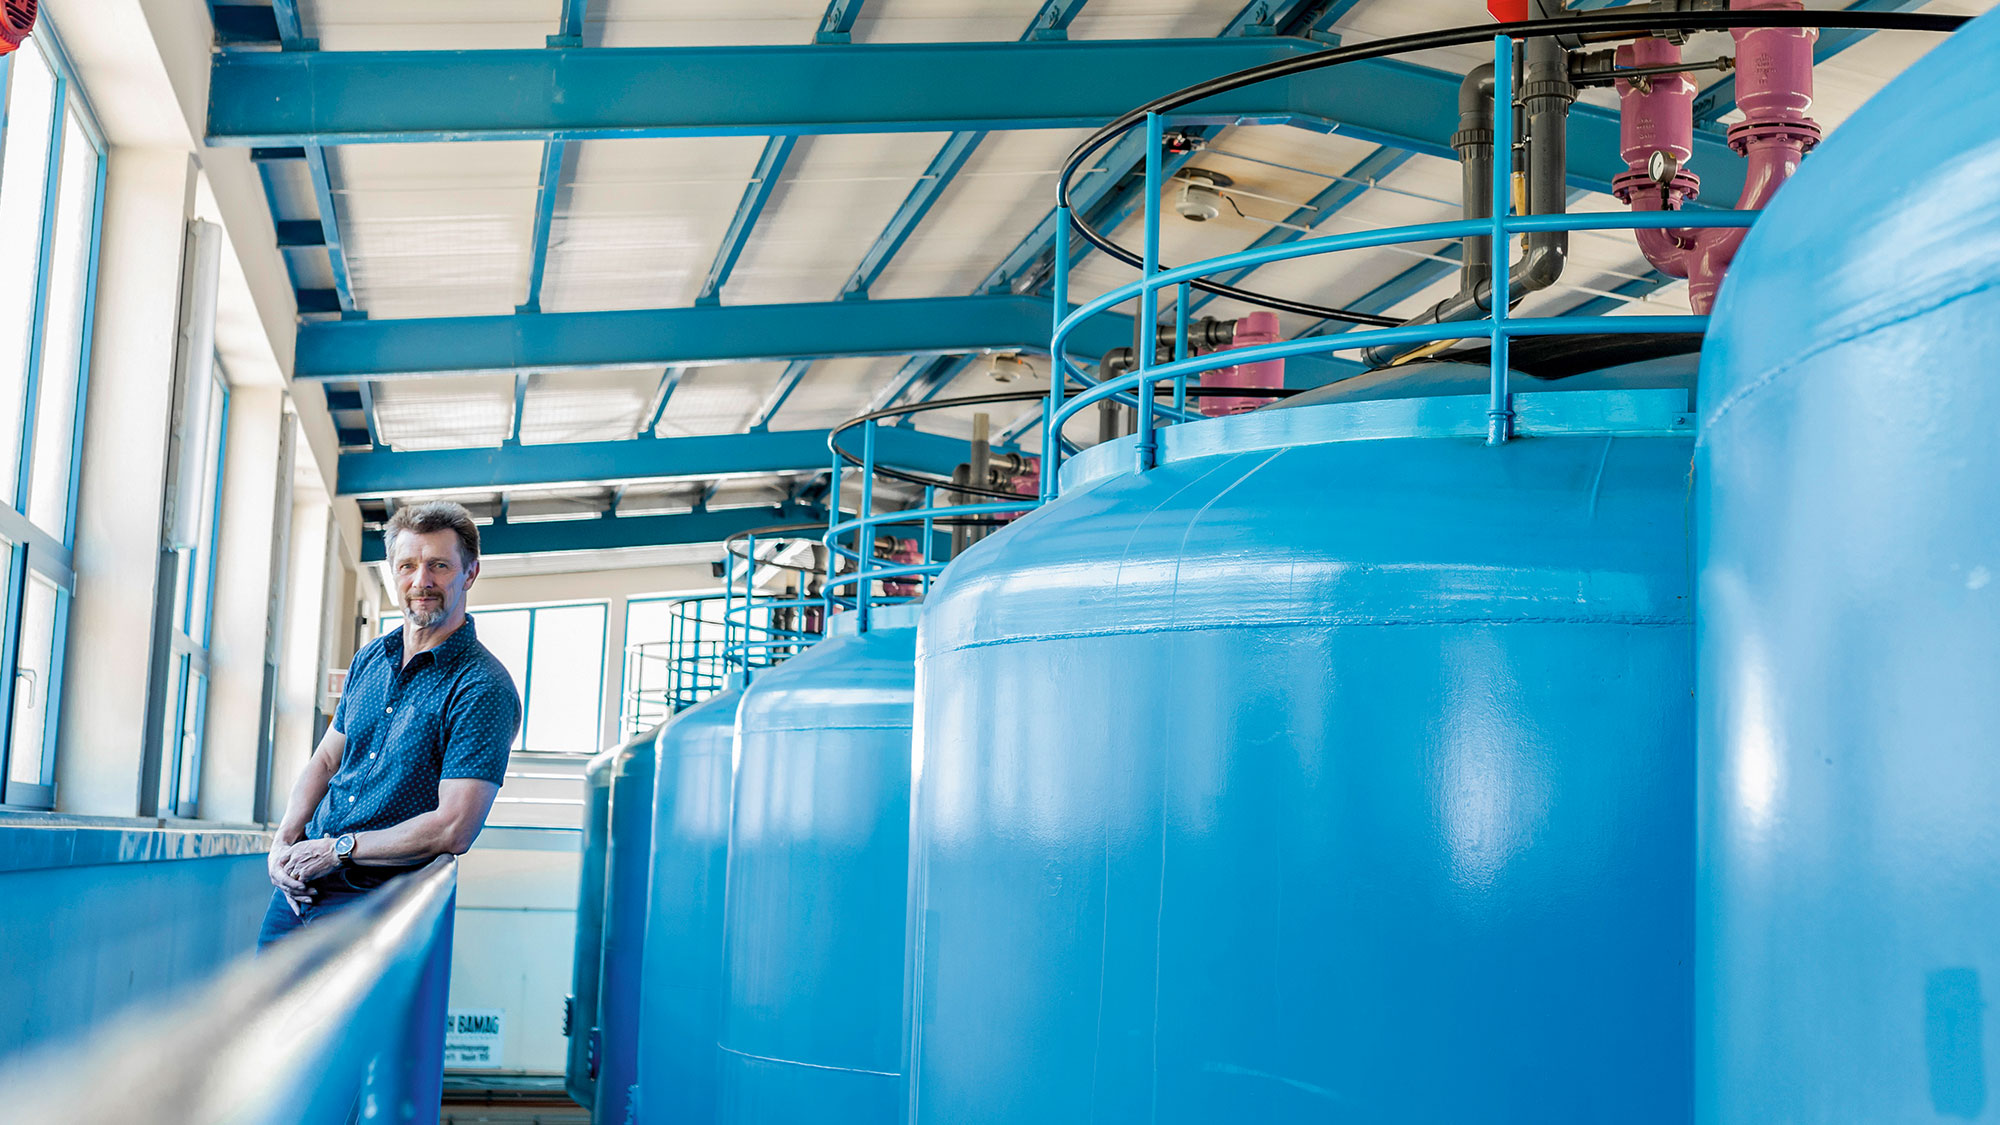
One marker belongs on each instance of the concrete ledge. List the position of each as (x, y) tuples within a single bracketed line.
[(35, 843)]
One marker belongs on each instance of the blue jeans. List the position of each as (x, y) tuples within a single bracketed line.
[(333, 892)]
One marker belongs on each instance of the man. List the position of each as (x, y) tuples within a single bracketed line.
[(418, 745)]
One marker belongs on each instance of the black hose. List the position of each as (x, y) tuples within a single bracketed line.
[(1596, 23)]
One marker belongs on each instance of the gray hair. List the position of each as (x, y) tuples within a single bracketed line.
[(435, 515)]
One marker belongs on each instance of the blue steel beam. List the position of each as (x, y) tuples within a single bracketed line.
[(763, 181), (788, 382), (917, 370), (375, 474), (670, 381), (1355, 183), (609, 532), (554, 155), (957, 149), (349, 97), (664, 337), (837, 26), (571, 33), (834, 27), (329, 222), (1051, 22)]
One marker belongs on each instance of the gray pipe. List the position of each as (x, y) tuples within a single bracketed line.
[(1474, 144), (1546, 94)]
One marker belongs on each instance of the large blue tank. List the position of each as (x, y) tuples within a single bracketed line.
[(1338, 769), (818, 862), (681, 987), (580, 1010), (1849, 542), (627, 861)]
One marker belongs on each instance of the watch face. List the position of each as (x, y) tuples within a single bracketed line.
[(344, 846)]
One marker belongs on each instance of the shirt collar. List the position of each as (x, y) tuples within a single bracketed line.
[(461, 640)]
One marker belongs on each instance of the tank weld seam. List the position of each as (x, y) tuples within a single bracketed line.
[(815, 1066), (1905, 311), (1643, 620), (822, 728)]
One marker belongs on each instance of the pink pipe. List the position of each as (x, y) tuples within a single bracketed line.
[(1256, 328), (1774, 89)]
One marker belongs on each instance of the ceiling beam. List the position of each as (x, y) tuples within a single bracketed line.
[(608, 533), (384, 473), (356, 97), (699, 335)]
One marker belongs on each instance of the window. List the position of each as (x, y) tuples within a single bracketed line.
[(190, 564), (51, 183), (556, 656)]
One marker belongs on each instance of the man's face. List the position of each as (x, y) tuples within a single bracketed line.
[(431, 575)]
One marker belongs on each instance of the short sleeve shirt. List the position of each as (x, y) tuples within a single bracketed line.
[(450, 712)]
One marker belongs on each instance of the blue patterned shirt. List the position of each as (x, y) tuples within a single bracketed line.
[(452, 711)]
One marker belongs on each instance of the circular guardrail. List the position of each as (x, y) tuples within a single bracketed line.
[(1138, 389), (760, 630), (911, 570)]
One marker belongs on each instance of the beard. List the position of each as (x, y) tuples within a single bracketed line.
[(424, 618)]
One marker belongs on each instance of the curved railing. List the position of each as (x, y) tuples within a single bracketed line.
[(1139, 389), (344, 1018), (903, 580), (760, 630)]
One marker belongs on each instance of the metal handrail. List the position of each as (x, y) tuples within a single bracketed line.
[(1500, 327), (748, 643), (349, 1011), (928, 514)]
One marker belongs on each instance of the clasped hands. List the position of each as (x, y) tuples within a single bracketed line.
[(293, 867)]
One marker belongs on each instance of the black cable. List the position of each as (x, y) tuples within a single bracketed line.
[(1602, 24)]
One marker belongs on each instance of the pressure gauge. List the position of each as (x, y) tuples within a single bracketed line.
[(1663, 166)]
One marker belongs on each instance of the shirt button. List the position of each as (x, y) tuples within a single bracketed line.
[(371, 757), (350, 798), (388, 710)]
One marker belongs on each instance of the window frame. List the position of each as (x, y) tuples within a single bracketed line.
[(394, 619), (30, 548), (189, 641)]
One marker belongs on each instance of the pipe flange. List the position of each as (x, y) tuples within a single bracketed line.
[(1804, 131), (1683, 187), (1468, 138), (1550, 88)]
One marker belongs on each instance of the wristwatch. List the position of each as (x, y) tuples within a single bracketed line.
[(343, 848)]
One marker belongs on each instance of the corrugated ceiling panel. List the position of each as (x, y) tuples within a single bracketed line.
[(833, 391), (445, 413), (1148, 19), (438, 229), (838, 194), (413, 25), (718, 400), (640, 221), (587, 405), (702, 23), (943, 21), (1006, 187)]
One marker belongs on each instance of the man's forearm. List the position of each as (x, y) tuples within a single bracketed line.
[(419, 839), (306, 795)]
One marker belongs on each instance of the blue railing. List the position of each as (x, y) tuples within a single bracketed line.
[(903, 581), (340, 1022), (1138, 389), (760, 630)]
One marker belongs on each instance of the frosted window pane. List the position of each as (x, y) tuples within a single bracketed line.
[(24, 163), (504, 632), (62, 341), (564, 692), (32, 679)]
